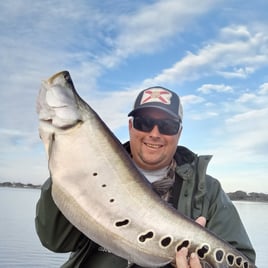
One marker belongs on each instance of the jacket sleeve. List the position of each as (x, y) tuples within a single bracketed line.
[(224, 220), (55, 232)]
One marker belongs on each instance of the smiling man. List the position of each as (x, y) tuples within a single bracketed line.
[(177, 174)]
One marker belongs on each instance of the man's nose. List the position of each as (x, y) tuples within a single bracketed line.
[(155, 131)]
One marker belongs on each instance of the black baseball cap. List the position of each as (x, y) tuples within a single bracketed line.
[(159, 98)]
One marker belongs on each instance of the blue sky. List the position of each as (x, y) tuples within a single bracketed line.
[(214, 54)]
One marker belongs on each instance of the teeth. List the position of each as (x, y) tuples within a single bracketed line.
[(153, 145)]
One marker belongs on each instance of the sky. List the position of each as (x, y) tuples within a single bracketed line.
[(214, 54)]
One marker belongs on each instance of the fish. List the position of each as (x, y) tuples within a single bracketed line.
[(100, 191)]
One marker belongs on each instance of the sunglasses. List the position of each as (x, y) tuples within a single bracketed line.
[(165, 126)]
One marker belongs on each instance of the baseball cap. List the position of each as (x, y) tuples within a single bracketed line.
[(159, 98)]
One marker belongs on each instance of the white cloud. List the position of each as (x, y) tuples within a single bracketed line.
[(235, 31), (240, 152), (256, 98), (207, 88), (263, 89), (203, 116), (239, 140), (246, 97), (244, 122), (243, 137), (151, 27), (191, 99), (235, 58), (237, 72)]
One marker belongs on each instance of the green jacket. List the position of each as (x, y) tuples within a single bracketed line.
[(198, 194)]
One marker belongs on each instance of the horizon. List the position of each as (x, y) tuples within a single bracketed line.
[(39, 185)]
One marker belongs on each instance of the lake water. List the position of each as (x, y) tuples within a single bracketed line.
[(20, 246)]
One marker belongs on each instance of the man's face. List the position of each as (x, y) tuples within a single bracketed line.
[(152, 150)]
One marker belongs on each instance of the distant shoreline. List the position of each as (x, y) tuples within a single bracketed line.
[(234, 196), (19, 185)]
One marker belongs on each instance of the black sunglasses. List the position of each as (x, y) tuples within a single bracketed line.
[(165, 126)]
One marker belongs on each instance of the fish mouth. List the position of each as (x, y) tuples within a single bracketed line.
[(153, 145)]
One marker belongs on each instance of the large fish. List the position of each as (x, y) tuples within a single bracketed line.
[(97, 187)]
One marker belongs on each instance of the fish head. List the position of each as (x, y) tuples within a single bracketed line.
[(57, 104)]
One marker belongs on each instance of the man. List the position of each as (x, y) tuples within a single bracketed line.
[(176, 174)]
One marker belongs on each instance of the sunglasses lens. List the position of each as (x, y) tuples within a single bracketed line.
[(165, 126), (168, 127), (143, 124)]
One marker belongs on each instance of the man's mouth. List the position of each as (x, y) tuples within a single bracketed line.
[(153, 146)]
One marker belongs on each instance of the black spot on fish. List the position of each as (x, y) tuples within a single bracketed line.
[(103, 185), (219, 254), (148, 235), (165, 242), (238, 261), (184, 244), (95, 174), (111, 200), (122, 223), (201, 252), (230, 259), (245, 264)]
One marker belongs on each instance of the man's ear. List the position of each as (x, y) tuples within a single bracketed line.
[(180, 131), (130, 123)]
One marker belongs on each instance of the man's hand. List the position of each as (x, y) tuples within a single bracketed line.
[(201, 220), (182, 260)]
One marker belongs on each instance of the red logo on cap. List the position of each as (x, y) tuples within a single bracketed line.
[(156, 95)]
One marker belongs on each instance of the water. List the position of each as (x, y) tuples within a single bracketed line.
[(255, 218), (20, 246)]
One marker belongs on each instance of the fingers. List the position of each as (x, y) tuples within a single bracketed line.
[(181, 258), (201, 220), (194, 261)]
